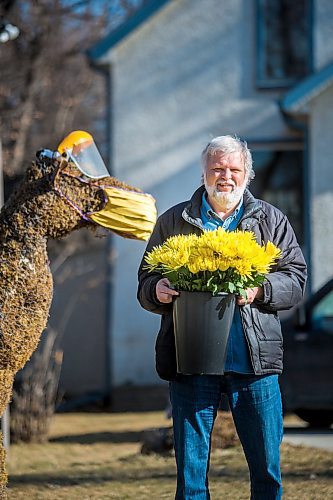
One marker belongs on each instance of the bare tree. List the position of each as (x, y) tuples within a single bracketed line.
[(47, 87)]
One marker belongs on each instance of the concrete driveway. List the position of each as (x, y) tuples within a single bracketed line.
[(298, 432)]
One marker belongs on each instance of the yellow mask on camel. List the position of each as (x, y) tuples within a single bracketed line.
[(128, 213)]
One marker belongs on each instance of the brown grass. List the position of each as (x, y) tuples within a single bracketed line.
[(97, 456)]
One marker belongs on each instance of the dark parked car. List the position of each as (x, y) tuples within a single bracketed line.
[(307, 380)]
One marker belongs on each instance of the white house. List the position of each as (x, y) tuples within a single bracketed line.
[(183, 71)]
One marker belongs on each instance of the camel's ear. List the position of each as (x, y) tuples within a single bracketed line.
[(34, 172)]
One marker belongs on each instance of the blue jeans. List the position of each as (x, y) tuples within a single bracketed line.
[(255, 403)]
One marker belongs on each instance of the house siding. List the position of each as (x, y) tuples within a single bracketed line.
[(323, 33), (321, 187), (183, 76)]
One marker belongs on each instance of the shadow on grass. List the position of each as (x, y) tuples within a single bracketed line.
[(101, 437), (65, 479), (137, 436), (309, 431)]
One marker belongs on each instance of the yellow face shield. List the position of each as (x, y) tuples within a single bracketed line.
[(127, 213), (80, 148)]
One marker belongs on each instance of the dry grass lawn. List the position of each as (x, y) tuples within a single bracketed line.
[(97, 456)]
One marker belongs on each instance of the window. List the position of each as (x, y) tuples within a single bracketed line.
[(279, 181), (283, 41)]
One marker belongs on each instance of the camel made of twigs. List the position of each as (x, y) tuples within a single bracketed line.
[(34, 213)]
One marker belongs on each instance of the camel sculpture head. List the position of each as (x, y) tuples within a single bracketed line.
[(56, 198)]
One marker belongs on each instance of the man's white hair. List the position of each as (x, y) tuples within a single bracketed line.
[(227, 144)]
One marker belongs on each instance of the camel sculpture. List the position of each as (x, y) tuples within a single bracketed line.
[(46, 205)]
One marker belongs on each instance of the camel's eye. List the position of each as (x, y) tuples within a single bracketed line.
[(101, 197)]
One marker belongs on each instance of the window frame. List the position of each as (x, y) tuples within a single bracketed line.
[(262, 81)]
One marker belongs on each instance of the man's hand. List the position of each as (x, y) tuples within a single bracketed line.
[(163, 291), (252, 294)]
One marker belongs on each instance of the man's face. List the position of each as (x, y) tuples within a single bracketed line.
[(225, 179)]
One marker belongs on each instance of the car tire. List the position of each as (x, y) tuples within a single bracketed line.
[(316, 418)]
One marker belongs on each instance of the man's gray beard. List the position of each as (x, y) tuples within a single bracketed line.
[(226, 201)]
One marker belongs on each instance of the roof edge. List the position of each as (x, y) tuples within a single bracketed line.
[(140, 16), (295, 100)]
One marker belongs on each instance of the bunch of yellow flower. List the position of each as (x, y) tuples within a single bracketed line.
[(216, 261)]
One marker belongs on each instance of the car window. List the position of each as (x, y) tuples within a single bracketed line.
[(322, 314)]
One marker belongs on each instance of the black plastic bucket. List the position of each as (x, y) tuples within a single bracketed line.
[(202, 324)]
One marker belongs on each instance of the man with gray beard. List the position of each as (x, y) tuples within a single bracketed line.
[(254, 351)]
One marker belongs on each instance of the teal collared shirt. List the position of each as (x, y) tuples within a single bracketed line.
[(211, 220), (238, 357)]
